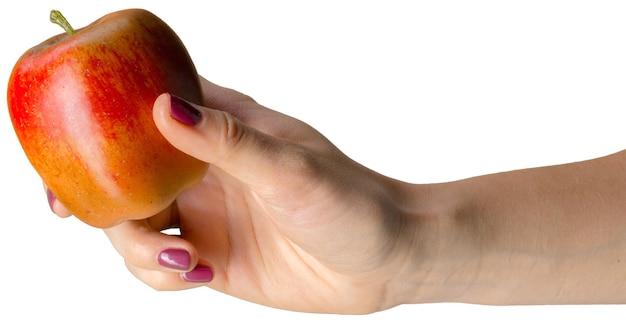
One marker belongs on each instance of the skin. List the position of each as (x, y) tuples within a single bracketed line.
[(284, 219)]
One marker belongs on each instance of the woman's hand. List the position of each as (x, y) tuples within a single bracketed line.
[(282, 217)]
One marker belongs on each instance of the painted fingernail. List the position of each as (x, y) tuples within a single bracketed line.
[(178, 259), (183, 111), (51, 199), (200, 274)]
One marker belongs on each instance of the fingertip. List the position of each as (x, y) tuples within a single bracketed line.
[(180, 122), (175, 108), (171, 112), (55, 206), (160, 109)]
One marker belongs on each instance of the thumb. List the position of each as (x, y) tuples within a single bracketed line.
[(219, 138)]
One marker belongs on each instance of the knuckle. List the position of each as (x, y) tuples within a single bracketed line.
[(232, 134), (236, 136), (233, 129)]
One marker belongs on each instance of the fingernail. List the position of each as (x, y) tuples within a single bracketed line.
[(200, 274), (183, 111), (51, 199), (178, 259)]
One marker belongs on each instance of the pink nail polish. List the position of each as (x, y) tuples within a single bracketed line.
[(200, 274), (183, 111), (51, 199), (175, 259)]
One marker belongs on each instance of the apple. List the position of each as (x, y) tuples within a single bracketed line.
[(81, 107)]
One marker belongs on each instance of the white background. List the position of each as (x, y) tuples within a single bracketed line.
[(421, 91)]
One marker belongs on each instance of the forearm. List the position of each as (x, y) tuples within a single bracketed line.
[(546, 235)]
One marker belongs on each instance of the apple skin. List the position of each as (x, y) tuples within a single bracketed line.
[(81, 107)]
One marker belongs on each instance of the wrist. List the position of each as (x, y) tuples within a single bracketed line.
[(450, 255), (534, 236), (433, 250)]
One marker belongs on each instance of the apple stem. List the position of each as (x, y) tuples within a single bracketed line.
[(57, 18)]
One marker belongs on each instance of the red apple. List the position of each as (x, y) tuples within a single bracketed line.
[(81, 106)]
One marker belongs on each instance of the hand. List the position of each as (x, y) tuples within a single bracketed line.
[(282, 217)]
